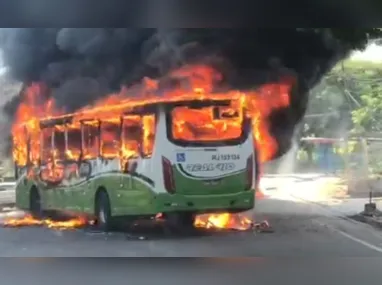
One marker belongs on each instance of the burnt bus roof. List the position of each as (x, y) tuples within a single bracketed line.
[(140, 110), (197, 103), (47, 123), (201, 103)]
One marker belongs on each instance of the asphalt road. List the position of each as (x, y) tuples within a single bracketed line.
[(306, 225), (301, 229), (191, 271)]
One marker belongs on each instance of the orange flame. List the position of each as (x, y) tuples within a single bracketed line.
[(193, 83), (223, 221), (28, 220), (199, 81)]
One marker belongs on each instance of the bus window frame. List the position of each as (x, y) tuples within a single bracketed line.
[(122, 137), (153, 110), (42, 146), (28, 151), (67, 158), (98, 135), (27, 164), (65, 142), (156, 116), (44, 165), (245, 130), (100, 139)]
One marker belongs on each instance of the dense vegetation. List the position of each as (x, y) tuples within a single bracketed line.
[(347, 101), (347, 104)]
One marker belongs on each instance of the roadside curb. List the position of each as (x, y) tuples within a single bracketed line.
[(359, 218), (9, 210), (364, 194), (373, 221), (12, 214), (7, 207), (355, 219)]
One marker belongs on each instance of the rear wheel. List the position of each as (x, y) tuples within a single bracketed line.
[(180, 222), (104, 221), (35, 208)]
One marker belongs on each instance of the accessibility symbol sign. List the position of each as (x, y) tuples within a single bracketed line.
[(180, 157)]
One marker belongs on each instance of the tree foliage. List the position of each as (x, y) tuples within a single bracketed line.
[(348, 99), (367, 118)]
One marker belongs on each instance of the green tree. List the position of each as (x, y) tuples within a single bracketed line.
[(368, 117), (348, 98)]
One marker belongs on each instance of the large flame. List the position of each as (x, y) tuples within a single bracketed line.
[(193, 83), (224, 221), (28, 220)]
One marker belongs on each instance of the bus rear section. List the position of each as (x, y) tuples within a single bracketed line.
[(207, 158)]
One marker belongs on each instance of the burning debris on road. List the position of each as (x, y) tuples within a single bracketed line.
[(28, 221), (224, 221)]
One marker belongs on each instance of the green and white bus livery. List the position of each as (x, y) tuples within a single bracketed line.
[(141, 162)]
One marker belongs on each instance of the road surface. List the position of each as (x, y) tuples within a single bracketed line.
[(302, 229), (167, 271)]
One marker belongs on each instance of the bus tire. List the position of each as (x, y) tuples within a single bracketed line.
[(35, 208), (180, 222), (103, 215)]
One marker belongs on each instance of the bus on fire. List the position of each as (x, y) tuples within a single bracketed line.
[(178, 159)]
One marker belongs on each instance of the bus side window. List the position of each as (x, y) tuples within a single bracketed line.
[(73, 150), (91, 140), (59, 144), (47, 146), (34, 148), (131, 137), (149, 125), (20, 148), (110, 138)]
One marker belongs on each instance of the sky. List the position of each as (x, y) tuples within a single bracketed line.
[(371, 53)]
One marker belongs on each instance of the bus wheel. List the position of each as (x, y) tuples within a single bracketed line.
[(180, 222), (35, 203), (103, 212)]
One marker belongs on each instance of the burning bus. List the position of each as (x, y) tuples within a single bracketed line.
[(140, 161), (179, 151)]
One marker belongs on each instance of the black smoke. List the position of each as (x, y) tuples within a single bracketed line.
[(82, 64)]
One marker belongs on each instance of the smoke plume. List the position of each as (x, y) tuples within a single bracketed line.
[(82, 64)]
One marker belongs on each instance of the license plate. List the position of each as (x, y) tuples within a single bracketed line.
[(212, 182)]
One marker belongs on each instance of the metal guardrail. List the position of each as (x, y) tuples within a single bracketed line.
[(7, 193), (7, 197)]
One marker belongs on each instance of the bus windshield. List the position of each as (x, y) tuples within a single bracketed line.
[(205, 125)]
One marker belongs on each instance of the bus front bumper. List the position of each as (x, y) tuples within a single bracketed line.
[(236, 202), (163, 203)]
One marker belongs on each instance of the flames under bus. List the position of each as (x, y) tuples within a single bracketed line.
[(179, 159)]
